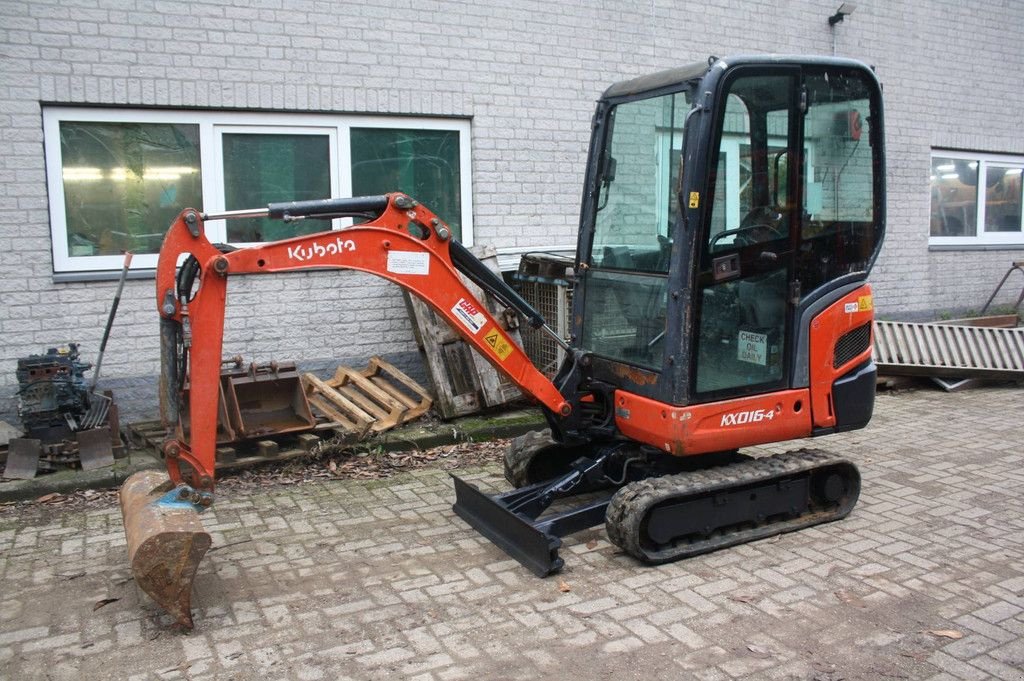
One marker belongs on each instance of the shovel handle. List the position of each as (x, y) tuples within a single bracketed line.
[(110, 319)]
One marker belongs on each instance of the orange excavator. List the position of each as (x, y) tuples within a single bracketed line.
[(731, 213)]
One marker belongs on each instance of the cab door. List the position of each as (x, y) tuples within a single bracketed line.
[(745, 287)]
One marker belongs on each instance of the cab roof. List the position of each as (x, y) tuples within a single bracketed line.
[(697, 70)]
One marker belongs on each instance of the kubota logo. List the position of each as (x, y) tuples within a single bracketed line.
[(316, 250), (740, 418)]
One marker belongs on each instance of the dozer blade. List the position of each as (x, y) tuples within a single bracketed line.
[(513, 520), (166, 540), (514, 534)]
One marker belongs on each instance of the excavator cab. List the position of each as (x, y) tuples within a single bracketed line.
[(722, 202), (732, 211)]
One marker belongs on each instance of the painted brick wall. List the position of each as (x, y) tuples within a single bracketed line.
[(526, 72)]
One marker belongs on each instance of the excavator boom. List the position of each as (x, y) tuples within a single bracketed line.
[(404, 242)]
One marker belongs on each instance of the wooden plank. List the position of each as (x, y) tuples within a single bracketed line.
[(464, 381), (357, 382), (337, 417), (384, 376), (360, 398), (225, 455), (378, 366), (353, 411), (255, 460)]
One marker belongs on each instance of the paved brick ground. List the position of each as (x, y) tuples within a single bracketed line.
[(379, 580)]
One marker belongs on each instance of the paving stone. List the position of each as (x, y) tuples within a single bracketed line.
[(379, 580)]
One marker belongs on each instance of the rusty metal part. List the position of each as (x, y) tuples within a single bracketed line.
[(256, 401), (637, 376), (22, 458), (166, 539), (94, 448)]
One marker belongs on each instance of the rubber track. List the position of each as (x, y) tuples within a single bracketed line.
[(520, 454), (624, 520)]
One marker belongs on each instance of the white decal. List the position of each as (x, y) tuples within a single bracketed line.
[(740, 418), (318, 250), (753, 347), (469, 315), (851, 307), (408, 262)]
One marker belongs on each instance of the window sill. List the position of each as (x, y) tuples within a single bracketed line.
[(112, 275), (975, 247)]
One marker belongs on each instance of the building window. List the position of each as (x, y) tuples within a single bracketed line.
[(117, 178), (268, 165), (122, 183), (422, 163), (975, 199)]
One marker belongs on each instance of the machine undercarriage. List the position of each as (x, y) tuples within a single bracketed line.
[(656, 507)]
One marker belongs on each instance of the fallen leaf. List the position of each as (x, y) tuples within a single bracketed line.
[(592, 544), (106, 601), (946, 633), (47, 498), (849, 598), (741, 598), (758, 650), (564, 587)]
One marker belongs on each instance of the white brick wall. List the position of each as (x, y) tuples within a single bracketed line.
[(527, 73)]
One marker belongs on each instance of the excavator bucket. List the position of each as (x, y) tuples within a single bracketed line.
[(166, 540)]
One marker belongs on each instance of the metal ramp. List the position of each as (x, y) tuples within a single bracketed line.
[(949, 351)]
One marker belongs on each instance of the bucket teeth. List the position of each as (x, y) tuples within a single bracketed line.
[(166, 541)]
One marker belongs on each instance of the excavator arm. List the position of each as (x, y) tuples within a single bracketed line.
[(404, 242), (400, 240)]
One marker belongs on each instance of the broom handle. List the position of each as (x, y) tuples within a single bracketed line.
[(110, 320)]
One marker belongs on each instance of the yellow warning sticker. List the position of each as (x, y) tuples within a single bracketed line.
[(502, 348), (694, 199), (864, 303)]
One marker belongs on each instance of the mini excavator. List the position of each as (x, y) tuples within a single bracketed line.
[(731, 213)]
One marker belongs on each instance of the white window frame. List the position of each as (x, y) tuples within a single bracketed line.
[(217, 230), (983, 237), (212, 125)]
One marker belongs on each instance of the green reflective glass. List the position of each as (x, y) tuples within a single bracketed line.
[(421, 163), (261, 169), (125, 182)]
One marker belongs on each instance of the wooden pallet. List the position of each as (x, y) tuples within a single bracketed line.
[(464, 381), (373, 400)]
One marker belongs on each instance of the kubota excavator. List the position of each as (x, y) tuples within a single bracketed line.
[(731, 212)]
